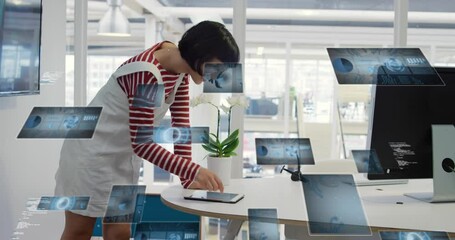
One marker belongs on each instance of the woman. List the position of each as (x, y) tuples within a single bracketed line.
[(91, 167)]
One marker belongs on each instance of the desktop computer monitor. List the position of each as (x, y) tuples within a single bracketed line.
[(400, 131)]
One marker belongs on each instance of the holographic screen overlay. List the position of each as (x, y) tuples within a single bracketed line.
[(63, 203), (383, 66), (167, 230), (176, 135), (32, 222), (278, 151), (333, 205), (223, 78), (126, 204), (263, 224), (61, 122), (139, 208), (149, 96), (367, 161), (400, 235)]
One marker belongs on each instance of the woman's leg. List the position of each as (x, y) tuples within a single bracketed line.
[(77, 227), (116, 231)]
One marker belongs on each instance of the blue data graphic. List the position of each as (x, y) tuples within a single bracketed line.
[(333, 205), (149, 95), (176, 135), (395, 235), (367, 161), (167, 231), (61, 122), (126, 204), (223, 78), (278, 151), (63, 203), (383, 66), (263, 224)]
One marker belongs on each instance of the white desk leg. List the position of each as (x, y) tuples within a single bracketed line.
[(233, 229)]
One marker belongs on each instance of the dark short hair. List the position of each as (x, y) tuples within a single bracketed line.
[(205, 41)]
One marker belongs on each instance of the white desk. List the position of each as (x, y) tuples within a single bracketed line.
[(286, 196)]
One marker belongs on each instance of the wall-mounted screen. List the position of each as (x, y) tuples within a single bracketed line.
[(20, 38)]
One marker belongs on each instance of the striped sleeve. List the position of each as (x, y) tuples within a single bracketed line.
[(141, 119), (180, 117)]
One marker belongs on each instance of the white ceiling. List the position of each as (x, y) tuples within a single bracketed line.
[(323, 24)]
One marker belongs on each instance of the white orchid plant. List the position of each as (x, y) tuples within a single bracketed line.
[(215, 146)]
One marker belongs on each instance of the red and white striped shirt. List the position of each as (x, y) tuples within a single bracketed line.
[(178, 163)]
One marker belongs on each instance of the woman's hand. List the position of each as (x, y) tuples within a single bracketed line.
[(207, 180)]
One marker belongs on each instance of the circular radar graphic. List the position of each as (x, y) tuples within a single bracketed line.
[(63, 203), (261, 151), (71, 121), (342, 65), (394, 65)]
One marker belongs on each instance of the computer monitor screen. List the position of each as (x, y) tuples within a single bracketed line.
[(20, 38), (400, 131)]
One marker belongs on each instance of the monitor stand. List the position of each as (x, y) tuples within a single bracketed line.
[(361, 179), (443, 166)]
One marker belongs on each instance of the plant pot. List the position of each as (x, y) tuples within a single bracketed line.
[(221, 166)]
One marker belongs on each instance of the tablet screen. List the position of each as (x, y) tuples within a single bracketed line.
[(214, 196)]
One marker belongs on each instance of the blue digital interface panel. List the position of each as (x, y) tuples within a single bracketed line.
[(167, 231), (395, 235), (223, 78), (278, 151), (63, 203), (263, 223), (176, 135), (61, 122), (149, 95), (367, 161), (333, 205), (383, 66), (126, 204)]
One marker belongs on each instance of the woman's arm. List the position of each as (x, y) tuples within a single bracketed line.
[(141, 119), (180, 117)]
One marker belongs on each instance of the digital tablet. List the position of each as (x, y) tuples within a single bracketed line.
[(203, 195)]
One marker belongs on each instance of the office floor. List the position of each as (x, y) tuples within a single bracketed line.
[(214, 228)]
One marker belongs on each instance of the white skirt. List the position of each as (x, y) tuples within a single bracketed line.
[(90, 167)]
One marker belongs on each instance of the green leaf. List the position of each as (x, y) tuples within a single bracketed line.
[(217, 140), (230, 154), (231, 137), (213, 142), (214, 148), (232, 146), (209, 149)]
